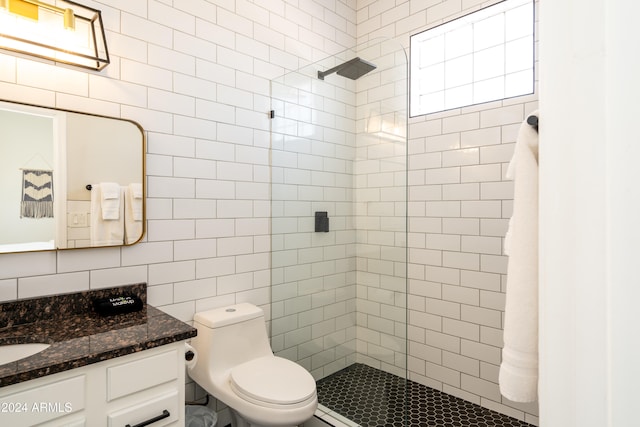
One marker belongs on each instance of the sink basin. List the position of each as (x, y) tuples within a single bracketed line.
[(12, 352)]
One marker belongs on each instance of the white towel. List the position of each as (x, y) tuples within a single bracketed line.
[(110, 200), (105, 232), (133, 212), (518, 376)]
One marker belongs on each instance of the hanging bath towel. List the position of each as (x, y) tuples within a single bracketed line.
[(107, 231), (133, 213), (37, 194), (518, 376)]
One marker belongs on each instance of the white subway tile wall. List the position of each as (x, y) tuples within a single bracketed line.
[(196, 76)]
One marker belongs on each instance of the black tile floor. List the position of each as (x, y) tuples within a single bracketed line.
[(372, 398)]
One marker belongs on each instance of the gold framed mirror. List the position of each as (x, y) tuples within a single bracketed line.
[(69, 179)]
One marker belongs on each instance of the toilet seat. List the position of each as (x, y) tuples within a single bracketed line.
[(273, 381)]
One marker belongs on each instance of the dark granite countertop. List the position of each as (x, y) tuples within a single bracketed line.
[(78, 336)]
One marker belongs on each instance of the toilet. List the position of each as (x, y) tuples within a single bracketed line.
[(236, 365)]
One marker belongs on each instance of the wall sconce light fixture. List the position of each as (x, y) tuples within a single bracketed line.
[(65, 32)]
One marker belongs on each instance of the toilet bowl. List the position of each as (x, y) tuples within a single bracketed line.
[(236, 365)]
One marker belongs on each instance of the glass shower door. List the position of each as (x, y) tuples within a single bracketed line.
[(339, 197)]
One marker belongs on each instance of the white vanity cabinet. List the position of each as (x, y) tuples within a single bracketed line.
[(139, 389)]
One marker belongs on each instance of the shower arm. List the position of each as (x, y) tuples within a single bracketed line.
[(321, 74)]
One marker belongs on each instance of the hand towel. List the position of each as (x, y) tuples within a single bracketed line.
[(518, 375), (110, 202), (105, 232), (133, 212)]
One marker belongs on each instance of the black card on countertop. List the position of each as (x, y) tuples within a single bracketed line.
[(118, 304)]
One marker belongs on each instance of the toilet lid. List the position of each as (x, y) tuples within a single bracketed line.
[(273, 380)]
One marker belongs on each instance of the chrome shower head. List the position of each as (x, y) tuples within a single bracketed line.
[(352, 69)]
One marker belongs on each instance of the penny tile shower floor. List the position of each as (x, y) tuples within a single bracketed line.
[(369, 397)]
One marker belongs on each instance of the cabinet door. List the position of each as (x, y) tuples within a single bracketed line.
[(45, 402)]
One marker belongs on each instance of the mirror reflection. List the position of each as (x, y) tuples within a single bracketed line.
[(68, 179)]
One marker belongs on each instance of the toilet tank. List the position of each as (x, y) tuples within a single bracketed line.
[(225, 316), (229, 336)]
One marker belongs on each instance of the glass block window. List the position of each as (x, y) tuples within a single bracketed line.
[(484, 56)]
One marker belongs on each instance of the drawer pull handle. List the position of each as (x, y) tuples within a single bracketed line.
[(165, 414)]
